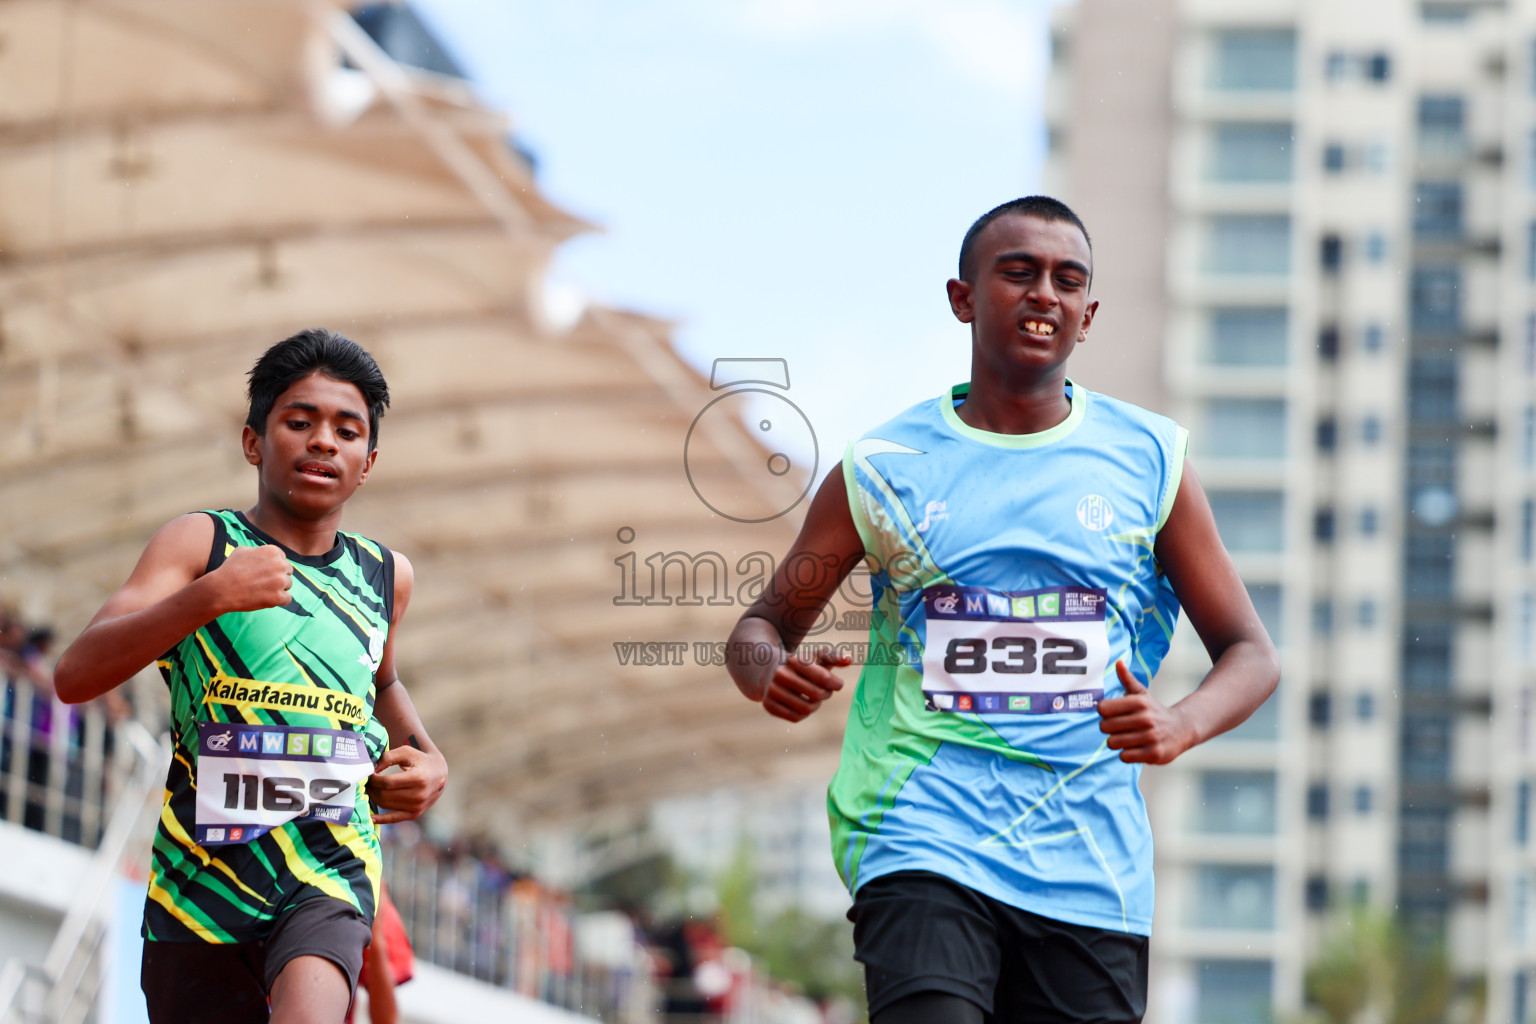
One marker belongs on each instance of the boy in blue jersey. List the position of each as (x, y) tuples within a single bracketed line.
[(1030, 544)]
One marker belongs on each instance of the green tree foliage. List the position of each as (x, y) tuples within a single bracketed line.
[(1371, 968), (812, 952)]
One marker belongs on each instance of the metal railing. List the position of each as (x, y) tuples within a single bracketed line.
[(60, 777), (55, 761)]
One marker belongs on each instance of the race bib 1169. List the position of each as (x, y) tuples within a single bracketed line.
[(253, 778), (1031, 652)]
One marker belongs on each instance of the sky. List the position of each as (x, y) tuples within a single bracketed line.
[(781, 178)]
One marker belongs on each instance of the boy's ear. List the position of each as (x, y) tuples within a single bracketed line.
[(960, 300), (367, 467), (1082, 332), (250, 444)]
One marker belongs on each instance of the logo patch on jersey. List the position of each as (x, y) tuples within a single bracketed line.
[(375, 654), (220, 741), (1095, 512), (932, 514)]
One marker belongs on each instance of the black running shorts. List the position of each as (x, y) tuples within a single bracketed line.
[(915, 931), (227, 983)]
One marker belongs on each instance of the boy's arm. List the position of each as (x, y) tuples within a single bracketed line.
[(1244, 665), (167, 597), (423, 774), (824, 553)]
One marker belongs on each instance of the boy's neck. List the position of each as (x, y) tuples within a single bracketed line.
[(301, 536), (1027, 408)]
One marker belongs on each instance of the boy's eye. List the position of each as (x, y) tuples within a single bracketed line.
[(297, 424)]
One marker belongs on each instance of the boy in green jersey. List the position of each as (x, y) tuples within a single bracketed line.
[(276, 635)]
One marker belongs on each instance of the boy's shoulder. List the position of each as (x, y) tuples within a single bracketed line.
[(1117, 411)]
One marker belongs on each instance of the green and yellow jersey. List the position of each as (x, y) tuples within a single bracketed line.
[(274, 735)]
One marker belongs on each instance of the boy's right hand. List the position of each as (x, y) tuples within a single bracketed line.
[(798, 687), (252, 579)]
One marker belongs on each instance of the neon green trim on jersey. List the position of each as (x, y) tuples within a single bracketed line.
[(1044, 437), (1175, 475), (856, 503)]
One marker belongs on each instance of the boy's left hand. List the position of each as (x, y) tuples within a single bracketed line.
[(408, 793), (1140, 727)]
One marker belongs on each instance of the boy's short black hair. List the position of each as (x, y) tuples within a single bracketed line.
[(316, 350), (1043, 207)]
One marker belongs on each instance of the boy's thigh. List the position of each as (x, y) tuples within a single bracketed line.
[(1055, 971), (203, 983), (329, 928), (193, 982), (916, 931)]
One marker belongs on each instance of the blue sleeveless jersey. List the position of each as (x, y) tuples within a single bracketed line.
[(1010, 573)]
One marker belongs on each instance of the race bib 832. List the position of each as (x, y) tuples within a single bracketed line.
[(1031, 652)]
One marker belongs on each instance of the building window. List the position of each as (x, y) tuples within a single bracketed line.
[(1244, 428), (1229, 896), (1234, 991), (1317, 801), (1333, 157), (1443, 14), (1328, 342), (1426, 749), (1375, 247), (1327, 434), (1322, 625), (1365, 706), (1371, 338), (1528, 446), (1527, 529), (1378, 67), (1365, 613), (1364, 799), (1530, 344), (1442, 125), (1264, 724), (1336, 66), (1249, 521), (1249, 335), (1370, 429), (1266, 599), (1378, 157), (1323, 525), (1436, 298), (1360, 892), (1370, 521), (1249, 60), (1527, 625), (1437, 210), (1251, 152), (1249, 244), (1331, 254), (1317, 893), (1237, 803), (1523, 812), (1320, 709), (1427, 656)]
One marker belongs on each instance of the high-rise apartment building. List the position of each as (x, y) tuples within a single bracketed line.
[(1315, 235)]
